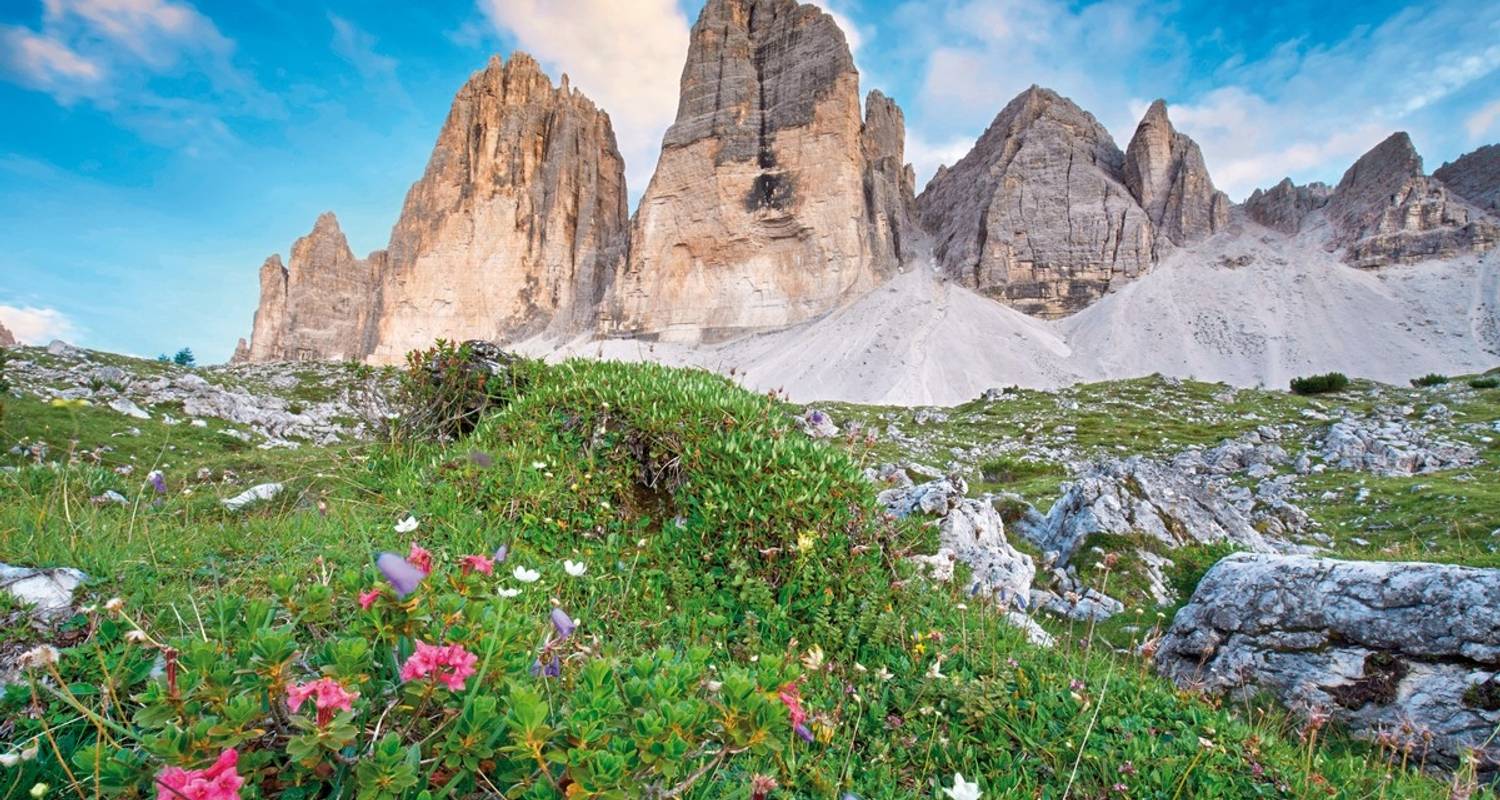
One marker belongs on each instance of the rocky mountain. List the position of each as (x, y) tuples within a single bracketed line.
[(1038, 214), (772, 202), (1165, 172), (515, 226), (513, 230), (318, 307), (1385, 211), (1475, 176), (1285, 206), (7, 339)]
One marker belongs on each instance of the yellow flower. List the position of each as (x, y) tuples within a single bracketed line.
[(919, 648), (805, 541)]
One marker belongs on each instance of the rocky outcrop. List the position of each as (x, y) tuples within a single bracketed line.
[(515, 227), (1165, 172), (1385, 211), (757, 216), (7, 339), (1037, 214), (1475, 177), (890, 185), (513, 230), (1286, 205), (1390, 445), (317, 307), (1405, 652)]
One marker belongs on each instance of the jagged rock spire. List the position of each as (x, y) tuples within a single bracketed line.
[(1165, 172)]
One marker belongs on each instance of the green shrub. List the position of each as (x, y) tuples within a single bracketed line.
[(1430, 379), (446, 389), (1320, 384), (1485, 383)]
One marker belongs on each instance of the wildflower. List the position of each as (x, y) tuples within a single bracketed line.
[(368, 598), (328, 696), (935, 671), (1206, 744), (858, 667), (449, 665), (761, 786), (9, 759), (219, 782), (158, 481), (562, 624), (501, 553), (420, 558), (538, 465), (507, 592), (791, 697), (962, 789), (525, 575), (137, 636), (805, 542), (404, 576), (551, 669), (575, 568), (39, 657), (883, 674), (30, 753), (407, 525), (39, 790), (813, 659), (478, 564), (114, 605)]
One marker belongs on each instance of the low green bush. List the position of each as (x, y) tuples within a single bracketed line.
[(1485, 383), (1320, 384), (1430, 379)]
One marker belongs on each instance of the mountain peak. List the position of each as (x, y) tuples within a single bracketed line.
[(1164, 170)]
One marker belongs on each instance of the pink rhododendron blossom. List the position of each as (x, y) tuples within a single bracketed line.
[(218, 782), (420, 558), (449, 665), (368, 598), (327, 694), (478, 564), (791, 697)]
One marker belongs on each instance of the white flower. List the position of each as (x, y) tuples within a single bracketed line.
[(9, 759), (40, 790), (936, 670), (525, 575), (575, 568), (39, 657), (962, 789), (813, 659), (30, 753), (136, 636), (406, 525), (858, 667), (505, 591), (884, 674), (113, 605), (538, 465)]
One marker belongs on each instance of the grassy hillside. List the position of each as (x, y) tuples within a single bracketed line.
[(744, 614)]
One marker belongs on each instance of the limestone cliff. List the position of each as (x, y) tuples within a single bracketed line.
[(890, 185), (1385, 211), (757, 216), (1285, 206), (318, 306), (1475, 177), (515, 226), (7, 339), (1165, 172), (1037, 214)]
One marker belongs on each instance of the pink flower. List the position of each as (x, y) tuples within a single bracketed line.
[(327, 694), (218, 782), (420, 558), (368, 598), (791, 697), (479, 564), (449, 665)]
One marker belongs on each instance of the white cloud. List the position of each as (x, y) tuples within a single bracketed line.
[(627, 57), (1480, 122), (37, 326), (47, 64), (357, 46), (925, 157)]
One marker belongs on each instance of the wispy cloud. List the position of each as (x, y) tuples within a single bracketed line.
[(357, 46), (626, 56), (122, 56), (1482, 121), (35, 326)]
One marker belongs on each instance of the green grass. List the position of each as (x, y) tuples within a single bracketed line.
[(707, 522)]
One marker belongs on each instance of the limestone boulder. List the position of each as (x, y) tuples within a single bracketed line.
[(1403, 652), (1037, 214), (1164, 171)]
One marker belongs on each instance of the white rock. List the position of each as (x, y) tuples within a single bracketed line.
[(255, 494), (128, 408)]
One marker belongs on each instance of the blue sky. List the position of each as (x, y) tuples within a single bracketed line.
[(156, 151)]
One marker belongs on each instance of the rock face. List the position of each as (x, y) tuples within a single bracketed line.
[(1385, 211), (513, 230), (890, 185), (1285, 206), (1037, 214), (1392, 446), (516, 224), (759, 212), (7, 339), (1475, 177), (317, 308), (1165, 172), (1389, 649)]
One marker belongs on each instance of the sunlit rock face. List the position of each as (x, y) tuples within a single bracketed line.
[(759, 214)]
